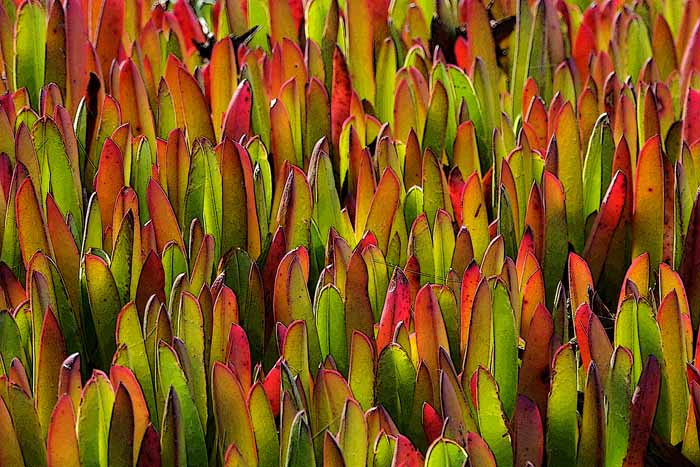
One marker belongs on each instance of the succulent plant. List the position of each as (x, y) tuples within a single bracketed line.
[(349, 232)]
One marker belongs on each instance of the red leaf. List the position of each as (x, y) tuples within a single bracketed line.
[(237, 119), (238, 355), (691, 122), (642, 411), (149, 454), (535, 371), (593, 342), (151, 282), (611, 212), (529, 436), (271, 384), (109, 178), (432, 423), (191, 29), (341, 92), (690, 263), (109, 33), (397, 308), (406, 455)]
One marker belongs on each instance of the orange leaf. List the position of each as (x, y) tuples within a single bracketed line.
[(30, 223), (165, 223), (62, 443)]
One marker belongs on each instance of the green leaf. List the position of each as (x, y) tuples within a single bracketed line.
[(353, 435), (436, 121), (505, 366), (93, 420), (213, 198), (121, 430), (171, 374), (619, 396), (263, 420), (105, 304), (361, 377), (396, 378), (30, 49), (64, 177), (330, 322), (597, 167), (301, 449), (172, 435), (326, 210), (233, 420), (562, 422), (444, 453), (492, 419), (521, 54), (11, 342), (130, 336), (190, 329), (10, 451)]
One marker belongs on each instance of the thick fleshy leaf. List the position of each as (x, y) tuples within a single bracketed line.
[(122, 376), (492, 418), (164, 221), (94, 419), (330, 320), (562, 423), (62, 444), (264, 428), (30, 224), (445, 452), (673, 344), (353, 434), (570, 173), (362, 376), (341, 93), (295, 209), (104, 303), (51, 353), (431, 334), (190, 105), (10, 451), (594, 344), (691, 260), (534, 381), (648, 212), (395, 381), (641, 412), (480, 343), (229, 399), (30, 48), (619, 396), (332, 455), (172, 375), (555, 236), (236, 122), (301, 451), (149, 452), (121, 429), (189, 328), (528, 433), (383, 210), (604, 227), (591, 446), (474, 215)]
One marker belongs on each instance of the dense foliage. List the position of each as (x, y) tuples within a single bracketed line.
[(349, 232)]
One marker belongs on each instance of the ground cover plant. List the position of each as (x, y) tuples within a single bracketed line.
[(349, 232)]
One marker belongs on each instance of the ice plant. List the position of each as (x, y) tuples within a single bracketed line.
[(348, 233)]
